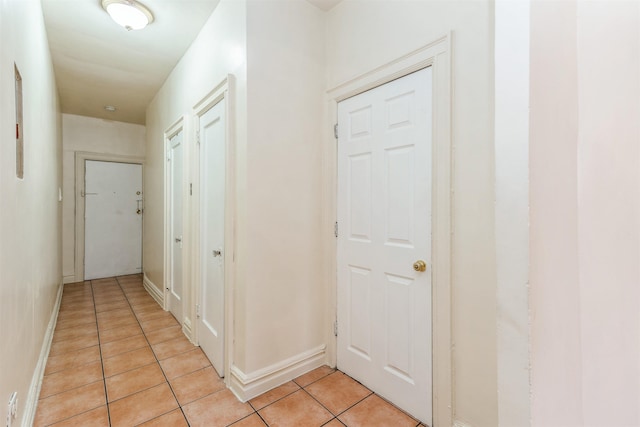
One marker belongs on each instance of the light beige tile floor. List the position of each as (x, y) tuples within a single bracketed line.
[(118, 359)]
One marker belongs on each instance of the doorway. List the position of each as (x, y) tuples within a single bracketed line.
[(112, 219), (175, 182), (214, 248), (384, 209)]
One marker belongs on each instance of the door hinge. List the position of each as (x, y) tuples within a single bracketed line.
[(198, 311), (335, 229), (335, 328), (198, 137), (335, 131), (190, 189)]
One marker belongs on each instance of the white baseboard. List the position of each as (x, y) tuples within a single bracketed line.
[(69, 279), (153, 290), (187, 329), (248, 386), (458, 423), (31, 403)]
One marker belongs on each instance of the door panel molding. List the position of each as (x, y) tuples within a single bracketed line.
[(80, 159), (437, 55)]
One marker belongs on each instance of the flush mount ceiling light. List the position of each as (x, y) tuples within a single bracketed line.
[(130, 14)]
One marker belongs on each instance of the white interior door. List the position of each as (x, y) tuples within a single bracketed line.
[(212, 220), (113, 221), (176, 162), (384, 218)]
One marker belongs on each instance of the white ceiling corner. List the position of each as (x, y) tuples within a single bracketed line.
[(99, 63)]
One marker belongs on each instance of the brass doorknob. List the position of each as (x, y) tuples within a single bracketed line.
[(420, 265)]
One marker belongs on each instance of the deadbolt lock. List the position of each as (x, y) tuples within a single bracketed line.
[(420, 265)]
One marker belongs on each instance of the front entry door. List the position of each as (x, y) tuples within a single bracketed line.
[(212, 221), (176, 158), (384, 227), (113, 219)]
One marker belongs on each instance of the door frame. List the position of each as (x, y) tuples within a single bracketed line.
[(437, 55), (170, 132), (80, 160), (222, 91)]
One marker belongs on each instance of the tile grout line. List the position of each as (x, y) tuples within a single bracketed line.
[(74, 388), (104, 378), (144, 334)]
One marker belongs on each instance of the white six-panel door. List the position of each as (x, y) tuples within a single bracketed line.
[(212, 225), (113, 224), (176, 164), (384, 223)]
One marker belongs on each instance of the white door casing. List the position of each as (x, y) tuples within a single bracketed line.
[(112, 219), (384, 218), (211, 316), (175, 159)]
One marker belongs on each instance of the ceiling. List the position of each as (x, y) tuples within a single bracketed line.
[(98, 63)]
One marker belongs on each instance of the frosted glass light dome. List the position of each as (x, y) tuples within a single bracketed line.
[(128, 13)]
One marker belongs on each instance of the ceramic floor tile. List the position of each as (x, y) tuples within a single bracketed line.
[(113, 314), (184, 363), (133, 381), (273, 395), (76, 304), (334, 423), (196, 385), (67, 346), (127, 361), (72, 359), (251, 421), (216, 410), (75, 332), (149, 314), (71, 378), (119, 333), (70, 403), (98, 417), (104, 281), (158, 323), (172, 347), (125, 345), (313, 376), (296, 410), (114, 305), (72, 323), (139, 300), (164, 334), (337, 392), (135, 409), (77, 314), (127, 320), (172, 419), (375, 412)]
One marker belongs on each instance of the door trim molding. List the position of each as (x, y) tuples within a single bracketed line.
[(223, 90), (80, 158), (170, 132), (437, 55)]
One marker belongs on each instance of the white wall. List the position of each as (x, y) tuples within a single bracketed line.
[(275, 51), (30, 214), (511, 53), (585, 200), (219, 49), (283, 286), (88, 134), (364, 35)]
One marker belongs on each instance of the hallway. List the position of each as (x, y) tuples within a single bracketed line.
[(118, 359)]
